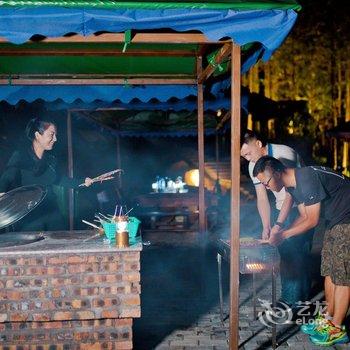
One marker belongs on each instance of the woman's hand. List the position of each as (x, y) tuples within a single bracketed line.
[(88, 182)]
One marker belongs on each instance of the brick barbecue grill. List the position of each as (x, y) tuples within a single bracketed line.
[(63, 292)]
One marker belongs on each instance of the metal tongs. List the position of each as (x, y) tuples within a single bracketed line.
[(104, 177)]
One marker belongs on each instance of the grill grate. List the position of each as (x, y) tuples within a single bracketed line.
[(257, 258)]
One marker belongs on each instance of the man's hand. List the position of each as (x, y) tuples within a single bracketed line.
[(265, 234), (275, 229), (88, 182), (276, 236)]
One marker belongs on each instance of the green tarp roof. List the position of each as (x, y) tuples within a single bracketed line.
[(238, 5), (127, 64)]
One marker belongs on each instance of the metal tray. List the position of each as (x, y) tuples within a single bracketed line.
[(19, 238), (16, 204)]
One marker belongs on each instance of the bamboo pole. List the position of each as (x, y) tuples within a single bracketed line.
[(235, 192)]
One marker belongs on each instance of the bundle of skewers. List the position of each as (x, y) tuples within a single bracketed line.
[(101, 219), (104, 177)]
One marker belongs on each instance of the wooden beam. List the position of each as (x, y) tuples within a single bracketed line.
[(227, 116), (96, 76), (201, 194), (71, 81), (163, 38), (235, 192), (224, 52), (94, 52)]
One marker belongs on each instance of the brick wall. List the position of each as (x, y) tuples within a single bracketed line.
[(69, 301)]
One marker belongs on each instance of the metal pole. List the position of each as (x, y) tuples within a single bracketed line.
[(219, 259), (70, 170), (235, 193), (119, 163), (274, 327), (254, 298), (201, 198)]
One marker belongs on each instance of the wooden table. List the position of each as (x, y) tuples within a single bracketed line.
[(156, 205)]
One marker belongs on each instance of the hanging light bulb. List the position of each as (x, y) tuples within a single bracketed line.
[(192, 177)]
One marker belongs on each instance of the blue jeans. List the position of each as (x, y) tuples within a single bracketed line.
[(294, 264)]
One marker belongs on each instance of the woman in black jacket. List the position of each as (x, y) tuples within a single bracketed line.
[(35, 165)]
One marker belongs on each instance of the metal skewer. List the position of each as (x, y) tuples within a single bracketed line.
[(99, 219), (91, 224), (128, 211), (94, 236), (104, 217)]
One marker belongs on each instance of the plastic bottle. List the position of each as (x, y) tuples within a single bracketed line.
[(158, 183), (162, 185)]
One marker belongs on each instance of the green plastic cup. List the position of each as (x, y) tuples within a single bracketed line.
[(133, 226), (110, 229)]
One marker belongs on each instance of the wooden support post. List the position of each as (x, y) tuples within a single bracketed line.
[(217, 156), (70, 170), (235, 193), (201, 197), (335, 153)]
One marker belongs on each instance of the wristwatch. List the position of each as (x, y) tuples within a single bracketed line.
[(280, 224)]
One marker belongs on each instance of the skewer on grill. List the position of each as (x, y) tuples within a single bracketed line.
[(104, 177)]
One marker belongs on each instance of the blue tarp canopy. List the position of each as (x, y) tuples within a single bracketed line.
[(266, 28)]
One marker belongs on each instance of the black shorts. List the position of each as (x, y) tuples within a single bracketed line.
[(336, 255)]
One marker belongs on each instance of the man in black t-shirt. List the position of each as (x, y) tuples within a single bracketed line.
[(318, 191)]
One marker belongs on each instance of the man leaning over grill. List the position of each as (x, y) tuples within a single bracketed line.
[(294, 253), (318, 190)]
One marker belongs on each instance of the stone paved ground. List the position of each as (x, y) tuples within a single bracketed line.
[(180, 303)]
